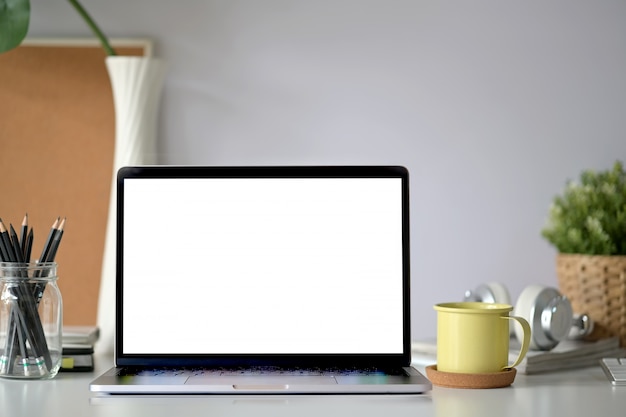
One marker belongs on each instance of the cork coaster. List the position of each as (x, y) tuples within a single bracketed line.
[(455, 380)]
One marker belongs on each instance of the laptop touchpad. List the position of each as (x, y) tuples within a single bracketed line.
[(260, 380)]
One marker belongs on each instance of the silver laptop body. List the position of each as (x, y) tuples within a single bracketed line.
[(262, 280)]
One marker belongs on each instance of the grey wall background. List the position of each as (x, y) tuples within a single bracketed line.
[(492, 106)]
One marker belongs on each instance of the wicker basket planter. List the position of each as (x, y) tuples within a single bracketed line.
[(596, 285)]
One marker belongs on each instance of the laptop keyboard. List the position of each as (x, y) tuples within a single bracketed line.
[(261, 370)]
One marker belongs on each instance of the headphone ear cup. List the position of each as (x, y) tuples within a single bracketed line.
[(548, 313), (500, 293), (489, 292), (524, 308)]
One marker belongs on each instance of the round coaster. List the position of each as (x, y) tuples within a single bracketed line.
[(455, 380)]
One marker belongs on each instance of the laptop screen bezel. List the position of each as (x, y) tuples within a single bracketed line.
[(358, 360)]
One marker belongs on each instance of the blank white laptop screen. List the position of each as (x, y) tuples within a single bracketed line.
[(262, 265)]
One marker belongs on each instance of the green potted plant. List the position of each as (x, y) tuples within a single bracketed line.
[(587, 226), (15, 19)]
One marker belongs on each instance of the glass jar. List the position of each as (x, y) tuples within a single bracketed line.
[(31, 320)]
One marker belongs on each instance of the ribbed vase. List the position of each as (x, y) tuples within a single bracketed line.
[(136, 83)]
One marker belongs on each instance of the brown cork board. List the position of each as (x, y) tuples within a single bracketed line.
[(57, 134)]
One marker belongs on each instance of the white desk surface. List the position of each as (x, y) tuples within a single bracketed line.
[(585, 392)]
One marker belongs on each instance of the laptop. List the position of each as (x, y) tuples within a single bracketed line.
[(253, 280)]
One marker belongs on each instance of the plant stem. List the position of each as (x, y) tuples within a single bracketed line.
[(94, 27)]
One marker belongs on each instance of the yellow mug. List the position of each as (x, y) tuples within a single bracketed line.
[(473, 337)]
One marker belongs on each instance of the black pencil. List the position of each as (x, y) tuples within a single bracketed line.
[(11, 344), (8, 246), (11, 341), (23, 236), (17, 247), (29, 245), (4, 256), (20, 339), (48, 255), (56, 240), (46, 247)]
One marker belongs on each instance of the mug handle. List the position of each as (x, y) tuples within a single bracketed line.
[(525, 342)]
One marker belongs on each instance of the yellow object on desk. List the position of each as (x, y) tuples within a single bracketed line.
[(67, 363), (473, 337)]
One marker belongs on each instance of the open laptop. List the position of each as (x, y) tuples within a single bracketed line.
[(262, 280)]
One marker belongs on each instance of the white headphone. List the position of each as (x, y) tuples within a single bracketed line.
[(548, 312)]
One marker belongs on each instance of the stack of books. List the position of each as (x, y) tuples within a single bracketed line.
[(78, 344), (569, 354)]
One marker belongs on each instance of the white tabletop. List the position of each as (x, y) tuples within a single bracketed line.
[(585, 392)]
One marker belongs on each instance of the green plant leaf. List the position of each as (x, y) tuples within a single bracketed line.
[(14, 20), (590, 215), (93, 26)]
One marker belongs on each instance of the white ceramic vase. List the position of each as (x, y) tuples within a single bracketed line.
[(136, 84)]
